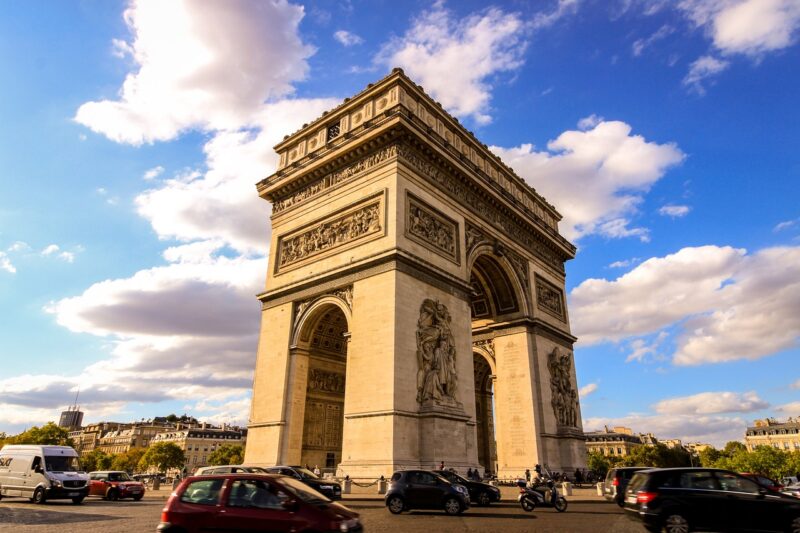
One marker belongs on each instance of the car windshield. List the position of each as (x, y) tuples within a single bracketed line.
[(302, 491), (118, 476), (60, 463), (306, 474)]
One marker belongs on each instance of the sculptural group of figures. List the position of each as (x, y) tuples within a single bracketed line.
[(436, 353), (329, 234), (432, 230), (565, 399)]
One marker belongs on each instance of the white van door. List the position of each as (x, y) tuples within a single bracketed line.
[(14, 484)]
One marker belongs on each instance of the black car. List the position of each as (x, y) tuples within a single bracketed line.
[(480, 493), (421, 489), (617, 480), (329, 488), (683, 499)]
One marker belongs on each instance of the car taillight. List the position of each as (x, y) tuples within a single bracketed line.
[(165, 516), (646, 497), (615, 482)]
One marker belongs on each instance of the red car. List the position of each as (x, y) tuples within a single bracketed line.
[(253, 502), (114, 485)]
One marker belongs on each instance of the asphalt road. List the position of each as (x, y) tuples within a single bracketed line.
[(96, 515)]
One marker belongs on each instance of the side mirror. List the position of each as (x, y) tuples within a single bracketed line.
[(38, 469)]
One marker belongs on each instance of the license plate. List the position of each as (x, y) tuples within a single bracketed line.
[(631, 499), (73, 494)]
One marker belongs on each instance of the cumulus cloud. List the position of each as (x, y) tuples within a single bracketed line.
[(454, 58), (19, 246), (596, 177), (726, 304), (710, 403), (208, 66), (750, 27), (674, 211), (53, 250), (714, 429), (347, 38), (588, 389), (790, 409), (701, 69), (5, 264), (153, 173)]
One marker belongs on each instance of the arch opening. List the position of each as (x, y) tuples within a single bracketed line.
[(324, 337)]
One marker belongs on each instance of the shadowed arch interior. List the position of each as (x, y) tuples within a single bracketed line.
[(493, 291)]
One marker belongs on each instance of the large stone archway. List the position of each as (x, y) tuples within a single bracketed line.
[(390, 216)]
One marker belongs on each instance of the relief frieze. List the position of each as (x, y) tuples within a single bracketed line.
[(337, 231), (431, 228), (549, 298), (564, 398), (322, 381)]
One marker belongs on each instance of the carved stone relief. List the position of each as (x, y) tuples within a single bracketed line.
[(564, 397), (437, 380), (332, 233), (474, 237), (323, 425), (322, 381), (549, 298), (335, 178), (432, 229)]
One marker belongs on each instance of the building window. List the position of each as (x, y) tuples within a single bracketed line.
[(333, 132)]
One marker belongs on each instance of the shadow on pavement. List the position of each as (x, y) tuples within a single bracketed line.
[(36, 516), (470, 514)]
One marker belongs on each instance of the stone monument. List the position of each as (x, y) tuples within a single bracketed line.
[(414, 309)]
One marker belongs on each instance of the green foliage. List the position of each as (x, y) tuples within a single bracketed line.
[(227, 454), (48, 434), (128, 461), (733, 447), (709, 457), (764, 460), (659, 456), (96, 460), (163, 456), (600, 464)]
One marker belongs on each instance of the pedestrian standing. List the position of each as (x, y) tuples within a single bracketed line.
[(528, 475), (469, 473), (441, 465)]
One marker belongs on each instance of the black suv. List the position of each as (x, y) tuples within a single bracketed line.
[(682, 499), (480, 493), (617, 480), (329, 488), (421, 489)]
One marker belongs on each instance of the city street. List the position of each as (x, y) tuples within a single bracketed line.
[(19, 515)]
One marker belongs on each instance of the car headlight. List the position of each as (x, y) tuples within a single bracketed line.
[(347, 525), (56, 484), (326, 487), (461, 489)]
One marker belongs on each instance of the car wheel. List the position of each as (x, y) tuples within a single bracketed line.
[(39, 496), (78, 500), (452, 506), (676, 523), (112, 495), (794, 527), (395, 504), (561, 504), (137, 497), (484, 499)]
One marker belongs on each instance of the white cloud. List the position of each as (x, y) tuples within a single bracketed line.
[(586, 390), (588, 123), (347, 38), (5, 264), (200, 65), (640, 348), (53, 250), (453, 59), (792, 408), (727, 304), (640, 44), (750, 27), (624, 263), (796, 384), (153, 173), (675, 211), (19, 246), (714, 429), (710, 403), (596, 177), (702, 69), (786, 224), (50, 249)]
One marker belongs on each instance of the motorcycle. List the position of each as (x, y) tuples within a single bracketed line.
[(544, 494)]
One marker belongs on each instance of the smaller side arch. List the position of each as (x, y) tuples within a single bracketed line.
[(307, 316)]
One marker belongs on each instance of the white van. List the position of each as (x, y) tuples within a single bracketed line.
[(42, 473)]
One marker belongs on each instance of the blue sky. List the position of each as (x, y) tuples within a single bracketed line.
[(666, 133)]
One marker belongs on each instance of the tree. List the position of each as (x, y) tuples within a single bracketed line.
[(732, 447), (600, 464), (709, 456), (96, 460), (163, 456), (48, 434), (128, 461), (227, 454)]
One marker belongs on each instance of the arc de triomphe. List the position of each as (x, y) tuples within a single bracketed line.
[(414, 309)]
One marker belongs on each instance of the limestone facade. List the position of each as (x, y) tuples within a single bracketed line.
[(414, 309), (770, 432)]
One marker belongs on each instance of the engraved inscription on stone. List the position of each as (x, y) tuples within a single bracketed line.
[(565, 399), (334, 232), (549, 299), (323, 423), (431, 228)]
